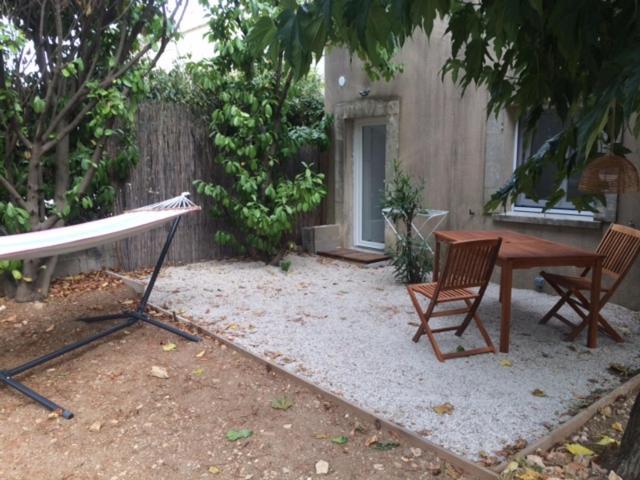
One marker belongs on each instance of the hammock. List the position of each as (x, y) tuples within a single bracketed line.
[(80, 237), (57, 241)]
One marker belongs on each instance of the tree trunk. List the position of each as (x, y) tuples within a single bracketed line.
[(36, 279), (627, 463)]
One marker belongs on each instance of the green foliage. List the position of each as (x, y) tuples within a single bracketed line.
[(178, 86), (282, 403), (260, 120), (411, 258), (285, 265), (577, 58), (340, 440), (13, 219), (70, 76), (102, 108)]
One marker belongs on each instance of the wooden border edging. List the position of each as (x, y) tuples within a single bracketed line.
[(574, 423), (476, 472)]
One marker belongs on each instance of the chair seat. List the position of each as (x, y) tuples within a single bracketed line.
[(450, 295), (571, 282)]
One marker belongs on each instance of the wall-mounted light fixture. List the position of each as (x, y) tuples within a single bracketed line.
[(342, 81)]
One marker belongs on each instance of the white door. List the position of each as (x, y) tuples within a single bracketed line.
[(369, 159)]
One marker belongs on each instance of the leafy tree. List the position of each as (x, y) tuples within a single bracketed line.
[(260, 120), (68, 71), (577, 58)]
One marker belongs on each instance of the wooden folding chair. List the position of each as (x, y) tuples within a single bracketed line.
[(469, 265), (620, 247)]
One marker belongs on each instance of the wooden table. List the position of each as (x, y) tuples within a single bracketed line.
[(520, 251)]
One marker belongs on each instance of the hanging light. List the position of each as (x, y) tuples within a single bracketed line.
[(609, 174)]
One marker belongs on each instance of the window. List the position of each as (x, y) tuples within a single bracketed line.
[(548, 125)]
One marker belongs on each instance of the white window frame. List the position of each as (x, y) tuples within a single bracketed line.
[(357, 180), (538, 210)]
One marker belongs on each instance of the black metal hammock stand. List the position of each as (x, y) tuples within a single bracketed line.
[(79, 237)]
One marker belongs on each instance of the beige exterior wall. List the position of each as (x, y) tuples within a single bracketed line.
[(446, 140)]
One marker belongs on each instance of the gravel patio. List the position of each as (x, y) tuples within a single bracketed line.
[(349, 328)]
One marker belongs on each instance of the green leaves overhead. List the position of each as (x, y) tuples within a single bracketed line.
[(579, 59)]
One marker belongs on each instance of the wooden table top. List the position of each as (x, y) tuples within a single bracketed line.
[(525, 251)]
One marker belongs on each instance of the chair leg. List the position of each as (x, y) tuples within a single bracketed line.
[(418, 307), (556, 307), (467, 320), (424, 328), (418, 334), (602, 323), (606, 326), (424, 324), (473, 308)]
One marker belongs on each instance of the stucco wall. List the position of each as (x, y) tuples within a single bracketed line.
[(448, 141)]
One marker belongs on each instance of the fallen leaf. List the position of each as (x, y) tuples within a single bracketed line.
[(578, 450), (619, 369), (385, 446), (198, 372), (282, 403), (617, 426), (512, 467), (606, 440), (529, 474), (200, 354), (159, 372), (233, 435), (214, 470), (538, 393), (452, 472), (320, 436), (445, 408), (169, 347), (339, 440), (371, 440), (459, 348), (505, 362), (50, 328)]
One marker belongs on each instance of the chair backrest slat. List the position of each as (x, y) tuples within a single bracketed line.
[(620, 247), (470, 263)]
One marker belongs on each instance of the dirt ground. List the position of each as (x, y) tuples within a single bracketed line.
[(131, 425)]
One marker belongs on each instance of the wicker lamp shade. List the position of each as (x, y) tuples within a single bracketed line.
[(609, 174)]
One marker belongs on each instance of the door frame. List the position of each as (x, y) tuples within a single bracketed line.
[(357, 180)]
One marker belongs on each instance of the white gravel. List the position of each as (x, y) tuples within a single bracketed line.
[(347, 328)]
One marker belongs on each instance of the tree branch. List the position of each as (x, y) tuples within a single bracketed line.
[(69, 127), (13, 192), (83, 186)]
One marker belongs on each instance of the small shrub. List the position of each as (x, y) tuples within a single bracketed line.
[(411, 259), (285, 265)]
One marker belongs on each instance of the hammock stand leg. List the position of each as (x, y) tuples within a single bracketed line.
[(131, 318), (139, 314)]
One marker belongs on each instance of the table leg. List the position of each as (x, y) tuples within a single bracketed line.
[(506, 278), (596, 280), (436, 262)]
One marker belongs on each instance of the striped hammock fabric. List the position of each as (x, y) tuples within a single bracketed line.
[(58, 241)]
